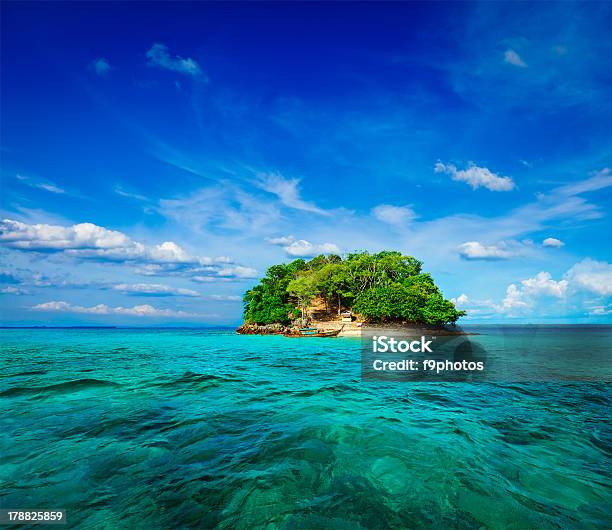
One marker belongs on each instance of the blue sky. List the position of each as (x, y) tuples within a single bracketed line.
[(156, 158)]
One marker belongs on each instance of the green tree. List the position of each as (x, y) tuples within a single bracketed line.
[(304, 288), (393, 302), (332, 283), (267, 302), (384, 286), (437, 311)]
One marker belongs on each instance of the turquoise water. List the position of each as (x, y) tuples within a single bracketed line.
[(206, 428)]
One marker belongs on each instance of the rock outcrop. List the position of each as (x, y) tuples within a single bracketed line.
[(267, 329)]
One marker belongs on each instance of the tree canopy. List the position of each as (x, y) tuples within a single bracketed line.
[(381, 287)]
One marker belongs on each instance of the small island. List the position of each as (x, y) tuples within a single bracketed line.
[(330, 293)]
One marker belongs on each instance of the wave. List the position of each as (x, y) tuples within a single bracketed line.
[(198, 381), (61, 388), (333, 389), (30, 372)]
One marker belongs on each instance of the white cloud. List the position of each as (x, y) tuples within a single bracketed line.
[(543, 284), (305, 249), (159, 56), (557, 205), (153, 289), (50, 187), (225, 206), (47, 186), (511, 57), (534, 295), (100, 66), (170, 252), (600, 310), (287, 191), (524, 297), (394, 215), (120, 191), (11, 289), (601, 179), (553, 242), (282, 241), (89, 241), (224, 297), (461, 300), (527, 295), (476, 177), (144, 310), (474, 250), (237, 272), (593, 276), (207, 279), (514, 300), (301, 248), (587, 276), (53, 237), (474, 307)]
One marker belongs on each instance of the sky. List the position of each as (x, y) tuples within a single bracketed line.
[(156, 158)]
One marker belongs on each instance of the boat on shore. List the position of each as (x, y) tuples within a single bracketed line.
[(313, 332)]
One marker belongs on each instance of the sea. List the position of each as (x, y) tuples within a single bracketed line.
[(205, 428)]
